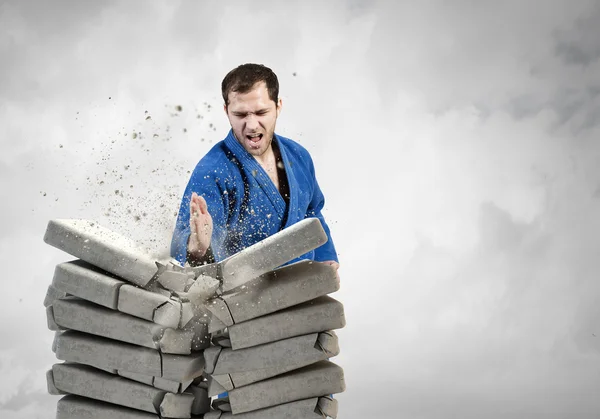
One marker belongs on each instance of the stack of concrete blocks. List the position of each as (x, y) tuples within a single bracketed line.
[(142, 339)]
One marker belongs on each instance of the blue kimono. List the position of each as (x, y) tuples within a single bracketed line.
[(244, 203)]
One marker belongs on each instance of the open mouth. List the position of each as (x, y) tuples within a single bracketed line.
[(254, 139)]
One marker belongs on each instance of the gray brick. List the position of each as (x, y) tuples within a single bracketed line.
[(89, 382), (83, 280), (322, 313), (301, 409), (103, 248), (272, 252), (279, 289), (316, 380), (77, 407), (245, 366), (91, 318)]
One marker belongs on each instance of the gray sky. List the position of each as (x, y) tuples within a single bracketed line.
[(457, 144)]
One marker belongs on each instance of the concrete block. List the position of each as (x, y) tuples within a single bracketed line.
[(271, 253), (50, 384), (103, 248), (276, 290), (182, 368), (83, 280), (110, 354), (301, 409), (328, 406), (201, 403), (319, 379), (89, 382), (100, 352), (50, 321), (145, 304), (81, 315), (77, 407), (140, 378), (53, 294), (158, 382), (322, 313), (245, 366)]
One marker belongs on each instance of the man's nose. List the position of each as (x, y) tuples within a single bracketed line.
[(252, 122)]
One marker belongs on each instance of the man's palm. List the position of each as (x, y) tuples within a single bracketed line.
[(201, 226)]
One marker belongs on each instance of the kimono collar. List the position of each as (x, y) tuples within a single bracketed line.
[(254, 168)]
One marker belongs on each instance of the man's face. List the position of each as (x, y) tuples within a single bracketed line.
[(252, 116)]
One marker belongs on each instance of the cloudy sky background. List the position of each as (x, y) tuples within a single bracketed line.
[(457, 143)]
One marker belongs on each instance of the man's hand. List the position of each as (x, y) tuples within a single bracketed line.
[(201, 226)]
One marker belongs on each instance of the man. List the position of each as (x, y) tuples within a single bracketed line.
[(252, 184)]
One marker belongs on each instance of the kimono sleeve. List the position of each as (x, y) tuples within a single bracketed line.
[(327, 250), (207, 183)]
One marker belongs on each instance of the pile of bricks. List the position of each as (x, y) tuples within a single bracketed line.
[(242, 338)]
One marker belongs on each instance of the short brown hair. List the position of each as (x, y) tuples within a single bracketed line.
[(243, 78)]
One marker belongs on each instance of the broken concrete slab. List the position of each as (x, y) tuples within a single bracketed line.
[(319, 379), (201, 403), (101, 352), (301, 409), (245, 366), (77, 407), (146, 304), (84, 316), (101, 247), (90, 382), (86, 281), (272, 252), (276, 290), (158, 382), (322, 313), (83, 280)]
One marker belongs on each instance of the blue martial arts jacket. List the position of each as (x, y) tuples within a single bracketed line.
[(244, 203)]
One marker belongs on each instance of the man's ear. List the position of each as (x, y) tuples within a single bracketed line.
[(225, 108), (279, 105)]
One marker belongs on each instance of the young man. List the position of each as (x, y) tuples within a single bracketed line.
[(252, 184)]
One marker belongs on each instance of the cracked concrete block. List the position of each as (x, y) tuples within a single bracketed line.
[(110, 354), (81, 315), (201, 403), (140, 378), (107, 353), (86, 381), (271, 252), (53, 294), (214, 387), (85, 281), (276, 290), (322, 313), (77, 407), (245, 366), (319, 379), (211, 355), (157, 382), (145, 304), (103, 248), (198, 326), (301, 409), (182, 368)]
